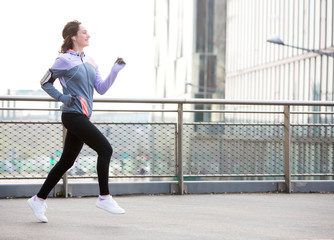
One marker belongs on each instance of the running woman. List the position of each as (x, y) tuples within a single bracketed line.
[(79, 76)]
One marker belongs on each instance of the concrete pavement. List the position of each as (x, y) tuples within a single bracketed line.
[(221, 216)]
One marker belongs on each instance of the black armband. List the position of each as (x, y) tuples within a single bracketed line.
[(47, 77)]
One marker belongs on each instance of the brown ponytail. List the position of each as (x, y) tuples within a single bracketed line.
[(71, 29)]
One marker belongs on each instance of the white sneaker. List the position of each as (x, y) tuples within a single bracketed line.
[(109, 205), (39, 208)]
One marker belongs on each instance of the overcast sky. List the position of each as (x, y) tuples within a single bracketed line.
[(31, 38)]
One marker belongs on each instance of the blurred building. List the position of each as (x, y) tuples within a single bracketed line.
[(190, 49), (256, 69), (219, 49)]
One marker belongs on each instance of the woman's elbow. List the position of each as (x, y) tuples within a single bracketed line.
[(101, 91)]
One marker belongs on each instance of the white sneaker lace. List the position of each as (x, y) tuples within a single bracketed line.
[(115, 203)]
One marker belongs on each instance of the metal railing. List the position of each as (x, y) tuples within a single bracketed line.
[(270, 142)]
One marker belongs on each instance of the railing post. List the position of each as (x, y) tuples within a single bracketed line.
[(179, 148), (287, 145), (65, 176)]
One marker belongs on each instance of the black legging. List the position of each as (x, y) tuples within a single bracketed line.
[(79, 131)]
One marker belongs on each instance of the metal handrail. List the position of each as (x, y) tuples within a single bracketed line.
[(181, 101), (164, 110)]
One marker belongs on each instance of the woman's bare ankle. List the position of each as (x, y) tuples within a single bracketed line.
[(41, 199)]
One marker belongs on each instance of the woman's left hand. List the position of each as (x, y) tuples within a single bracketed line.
[(119, 64), (120, 61)]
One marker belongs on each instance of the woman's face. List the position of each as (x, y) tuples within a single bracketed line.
[(82, 37)]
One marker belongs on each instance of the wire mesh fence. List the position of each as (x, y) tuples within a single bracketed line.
[(312, 150), (139, 149), (30, 150), (234, 150), (249, 151)]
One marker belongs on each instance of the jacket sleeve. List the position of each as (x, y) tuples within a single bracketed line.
[(58, 70), (55, 94), (101, 85)]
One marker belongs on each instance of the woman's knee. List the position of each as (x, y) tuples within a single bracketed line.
[(106, 151), (110, 150), (65, 164)]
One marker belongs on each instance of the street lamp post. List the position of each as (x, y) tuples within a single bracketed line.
[(277, 40)]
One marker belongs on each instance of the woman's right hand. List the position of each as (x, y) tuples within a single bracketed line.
[(74, 96), (68, 100)]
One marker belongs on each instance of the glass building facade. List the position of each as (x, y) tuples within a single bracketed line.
[(256, 69), (219, 49), (190, 49)]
